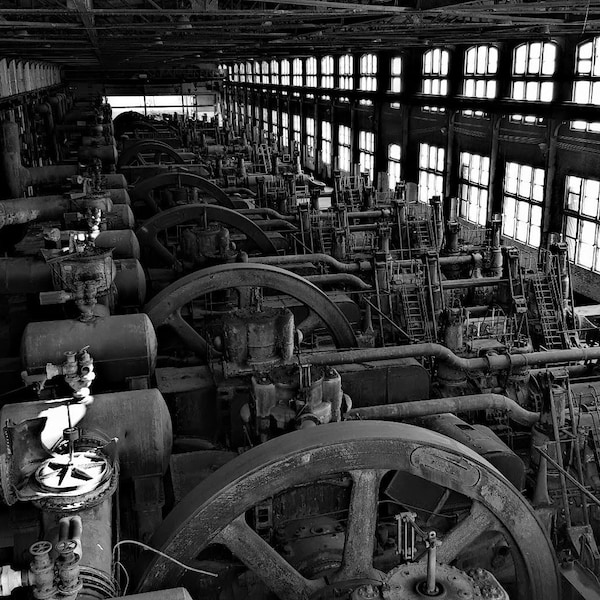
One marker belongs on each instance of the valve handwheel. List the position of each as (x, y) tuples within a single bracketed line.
[(370, 454)]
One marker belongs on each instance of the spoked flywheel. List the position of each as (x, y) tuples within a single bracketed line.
[(331, 512)]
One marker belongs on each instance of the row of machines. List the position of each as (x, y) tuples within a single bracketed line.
[(222, 379)]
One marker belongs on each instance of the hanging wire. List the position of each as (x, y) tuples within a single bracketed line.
[(160, 553)]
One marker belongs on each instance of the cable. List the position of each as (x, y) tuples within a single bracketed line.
[(120, 564), (160, 553)]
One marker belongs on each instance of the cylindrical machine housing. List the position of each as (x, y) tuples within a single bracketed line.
[(46, 208), (131, 282), (59, 173), (120, 217), (140, 420), (107, 154), (123, 346), (28, 275), (123, 242)]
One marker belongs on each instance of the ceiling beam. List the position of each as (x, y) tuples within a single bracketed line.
[(83, 8)]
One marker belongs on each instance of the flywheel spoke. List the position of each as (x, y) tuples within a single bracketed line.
[(192, 339), (462, 535), (161, 251), (311, 322), (276, 573), (357, 560)]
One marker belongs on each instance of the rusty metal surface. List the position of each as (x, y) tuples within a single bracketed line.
[(214, 511), (138, 418), (123, 346), (165, 307), (148, 233), (142, 190)]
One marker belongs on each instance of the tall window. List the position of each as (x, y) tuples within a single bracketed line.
[(296, 130), (522, 204), (274, 72), (394, 166), (265, 72), (586, 88), (249, 73), (327, 72), (431, 172), (346, 72), (534, 63), (297, 72), (256, 72), (435, 72), (274, 126), (285, 130), (474, 176), (311, 72), (242, 71), (265, 121), (344, 149), (396, 74), (582, 221), (285, 72), (481, 68), (366, 157), (310, 138), (236, 72), (326, 143), (368, 73)]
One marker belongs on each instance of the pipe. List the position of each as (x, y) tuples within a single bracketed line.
[(271, 224), (451, 284), (11, 171), (436, 406), (339, 278), (171, 594), (369, 214), (248, 212), (245, 192), (491, 362), (355, 267)]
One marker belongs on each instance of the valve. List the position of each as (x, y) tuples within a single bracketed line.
[(41, 573)]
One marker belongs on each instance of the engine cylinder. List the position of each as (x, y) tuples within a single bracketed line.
[(123, 242), (123, 346)]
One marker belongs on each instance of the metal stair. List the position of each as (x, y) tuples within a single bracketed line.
[(414, 307), (263, 154), (549, 310)]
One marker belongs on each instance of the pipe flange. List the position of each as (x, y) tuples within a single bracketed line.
[(408, 582)]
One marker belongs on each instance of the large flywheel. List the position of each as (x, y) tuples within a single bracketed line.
[(135, 153), (148, 234), (167, 307), (146, 189), (314, 548)]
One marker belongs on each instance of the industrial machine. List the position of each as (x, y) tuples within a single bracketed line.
[(372, 403)]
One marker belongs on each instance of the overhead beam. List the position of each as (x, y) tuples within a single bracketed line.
[(83, 8)]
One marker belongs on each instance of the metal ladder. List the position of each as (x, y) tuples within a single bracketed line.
[(264, 157), (550, 313), (414, 307)]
